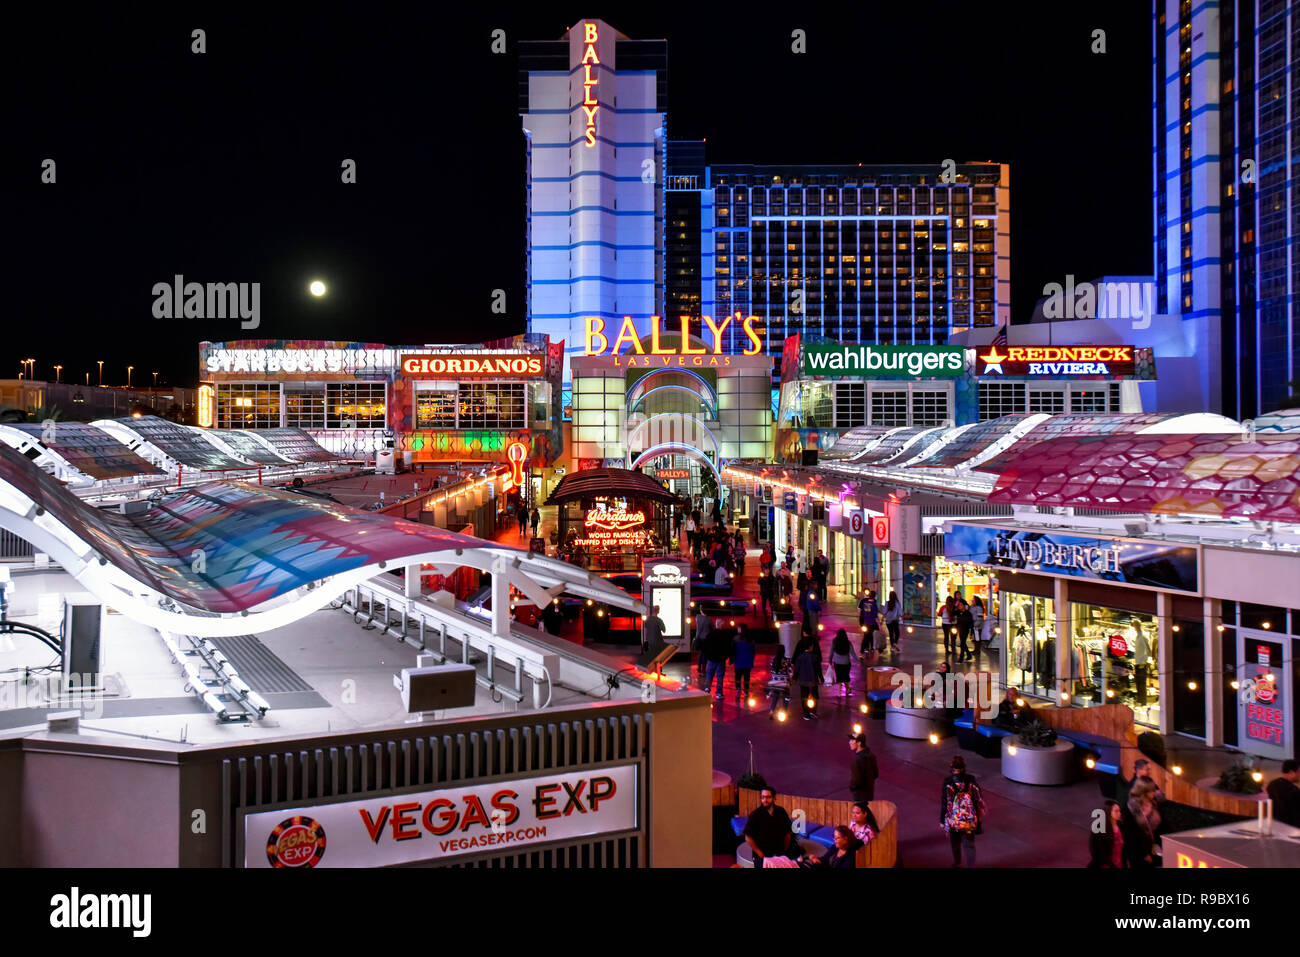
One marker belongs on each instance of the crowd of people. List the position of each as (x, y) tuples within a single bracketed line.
[(963, 621), (770, 834)]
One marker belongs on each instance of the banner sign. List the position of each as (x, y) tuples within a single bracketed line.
[(1262, 700), (673, 474), (436, 825), (1147, 564), (666, 582), (1056, 361), (884, 362), (462, 365)]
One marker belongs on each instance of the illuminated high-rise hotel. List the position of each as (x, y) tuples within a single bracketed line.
[(1226, 220), (593, 114), (866, 253), (622, 223)]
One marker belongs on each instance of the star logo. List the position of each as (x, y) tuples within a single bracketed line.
[(993, 361)]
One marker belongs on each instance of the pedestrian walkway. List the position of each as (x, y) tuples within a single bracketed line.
[(1026, 826)]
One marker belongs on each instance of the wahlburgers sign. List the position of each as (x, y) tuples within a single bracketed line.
[(884, 362)]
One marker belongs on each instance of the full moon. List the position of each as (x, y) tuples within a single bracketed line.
[(317, 288)]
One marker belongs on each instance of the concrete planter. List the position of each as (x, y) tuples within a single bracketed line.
[(1042, 766), (916, 724)]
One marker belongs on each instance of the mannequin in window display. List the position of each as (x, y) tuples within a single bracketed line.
[(1139, 639), (1021, 641)]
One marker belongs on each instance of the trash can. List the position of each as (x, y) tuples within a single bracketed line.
[(788, 632)]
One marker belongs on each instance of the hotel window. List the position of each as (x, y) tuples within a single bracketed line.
[(248, 406), (304, 410), (850, 404), (1050, 401), (435, 410), (1001, 398), (492, 405), (889, 407), (355, 405), (1101, 398), (929, 406)]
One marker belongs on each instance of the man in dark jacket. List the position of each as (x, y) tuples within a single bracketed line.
[(821, 570), (807, 674), (862, 782), (767, 595), (703, 628), (742, 656), (768, 831), (717, 649), (1285, 794)]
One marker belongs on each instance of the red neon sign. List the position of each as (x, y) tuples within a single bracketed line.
[(516, 455), (615, 520), (589, 103)]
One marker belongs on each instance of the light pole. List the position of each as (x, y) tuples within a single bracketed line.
[(128, 376), (101, 373), (87, 380), (58, 370), (155, 380)]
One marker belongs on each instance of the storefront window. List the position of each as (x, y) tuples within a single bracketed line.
[(918, 602), (435, 410), (305, 410), (1031, 644), (248, 406), (355, 405), (1115, 660)]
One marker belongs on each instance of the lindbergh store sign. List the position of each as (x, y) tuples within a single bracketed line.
[(406, 828), (1145, 564)]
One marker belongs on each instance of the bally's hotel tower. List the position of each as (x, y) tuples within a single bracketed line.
[(593, 114), (623, 223)]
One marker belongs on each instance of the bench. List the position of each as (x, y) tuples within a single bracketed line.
[(880, 852), (877, 699), (1106, 751), (983, 738)]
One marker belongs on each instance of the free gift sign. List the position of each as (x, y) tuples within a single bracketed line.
[(446, 823)]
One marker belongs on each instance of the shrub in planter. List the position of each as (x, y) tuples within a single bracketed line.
[(1237, 779), (1038, 734), (1152, 744), (752, 780)]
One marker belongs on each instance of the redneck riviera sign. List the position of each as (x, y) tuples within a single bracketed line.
[(435, 825), (884, 362), (1058, 361)]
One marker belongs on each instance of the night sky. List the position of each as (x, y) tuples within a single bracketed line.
[(225, 167)]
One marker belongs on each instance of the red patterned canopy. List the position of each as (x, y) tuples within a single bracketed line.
[(1214, 475)]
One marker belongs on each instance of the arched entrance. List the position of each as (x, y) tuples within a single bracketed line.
[(676, 448)]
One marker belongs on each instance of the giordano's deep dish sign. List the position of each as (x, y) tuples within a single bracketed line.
[(883, 362), (627, 348)]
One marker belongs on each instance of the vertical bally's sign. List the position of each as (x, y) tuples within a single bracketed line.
[(589, 80)]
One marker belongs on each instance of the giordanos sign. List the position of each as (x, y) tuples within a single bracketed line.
[(884, 362), (408, 827)]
